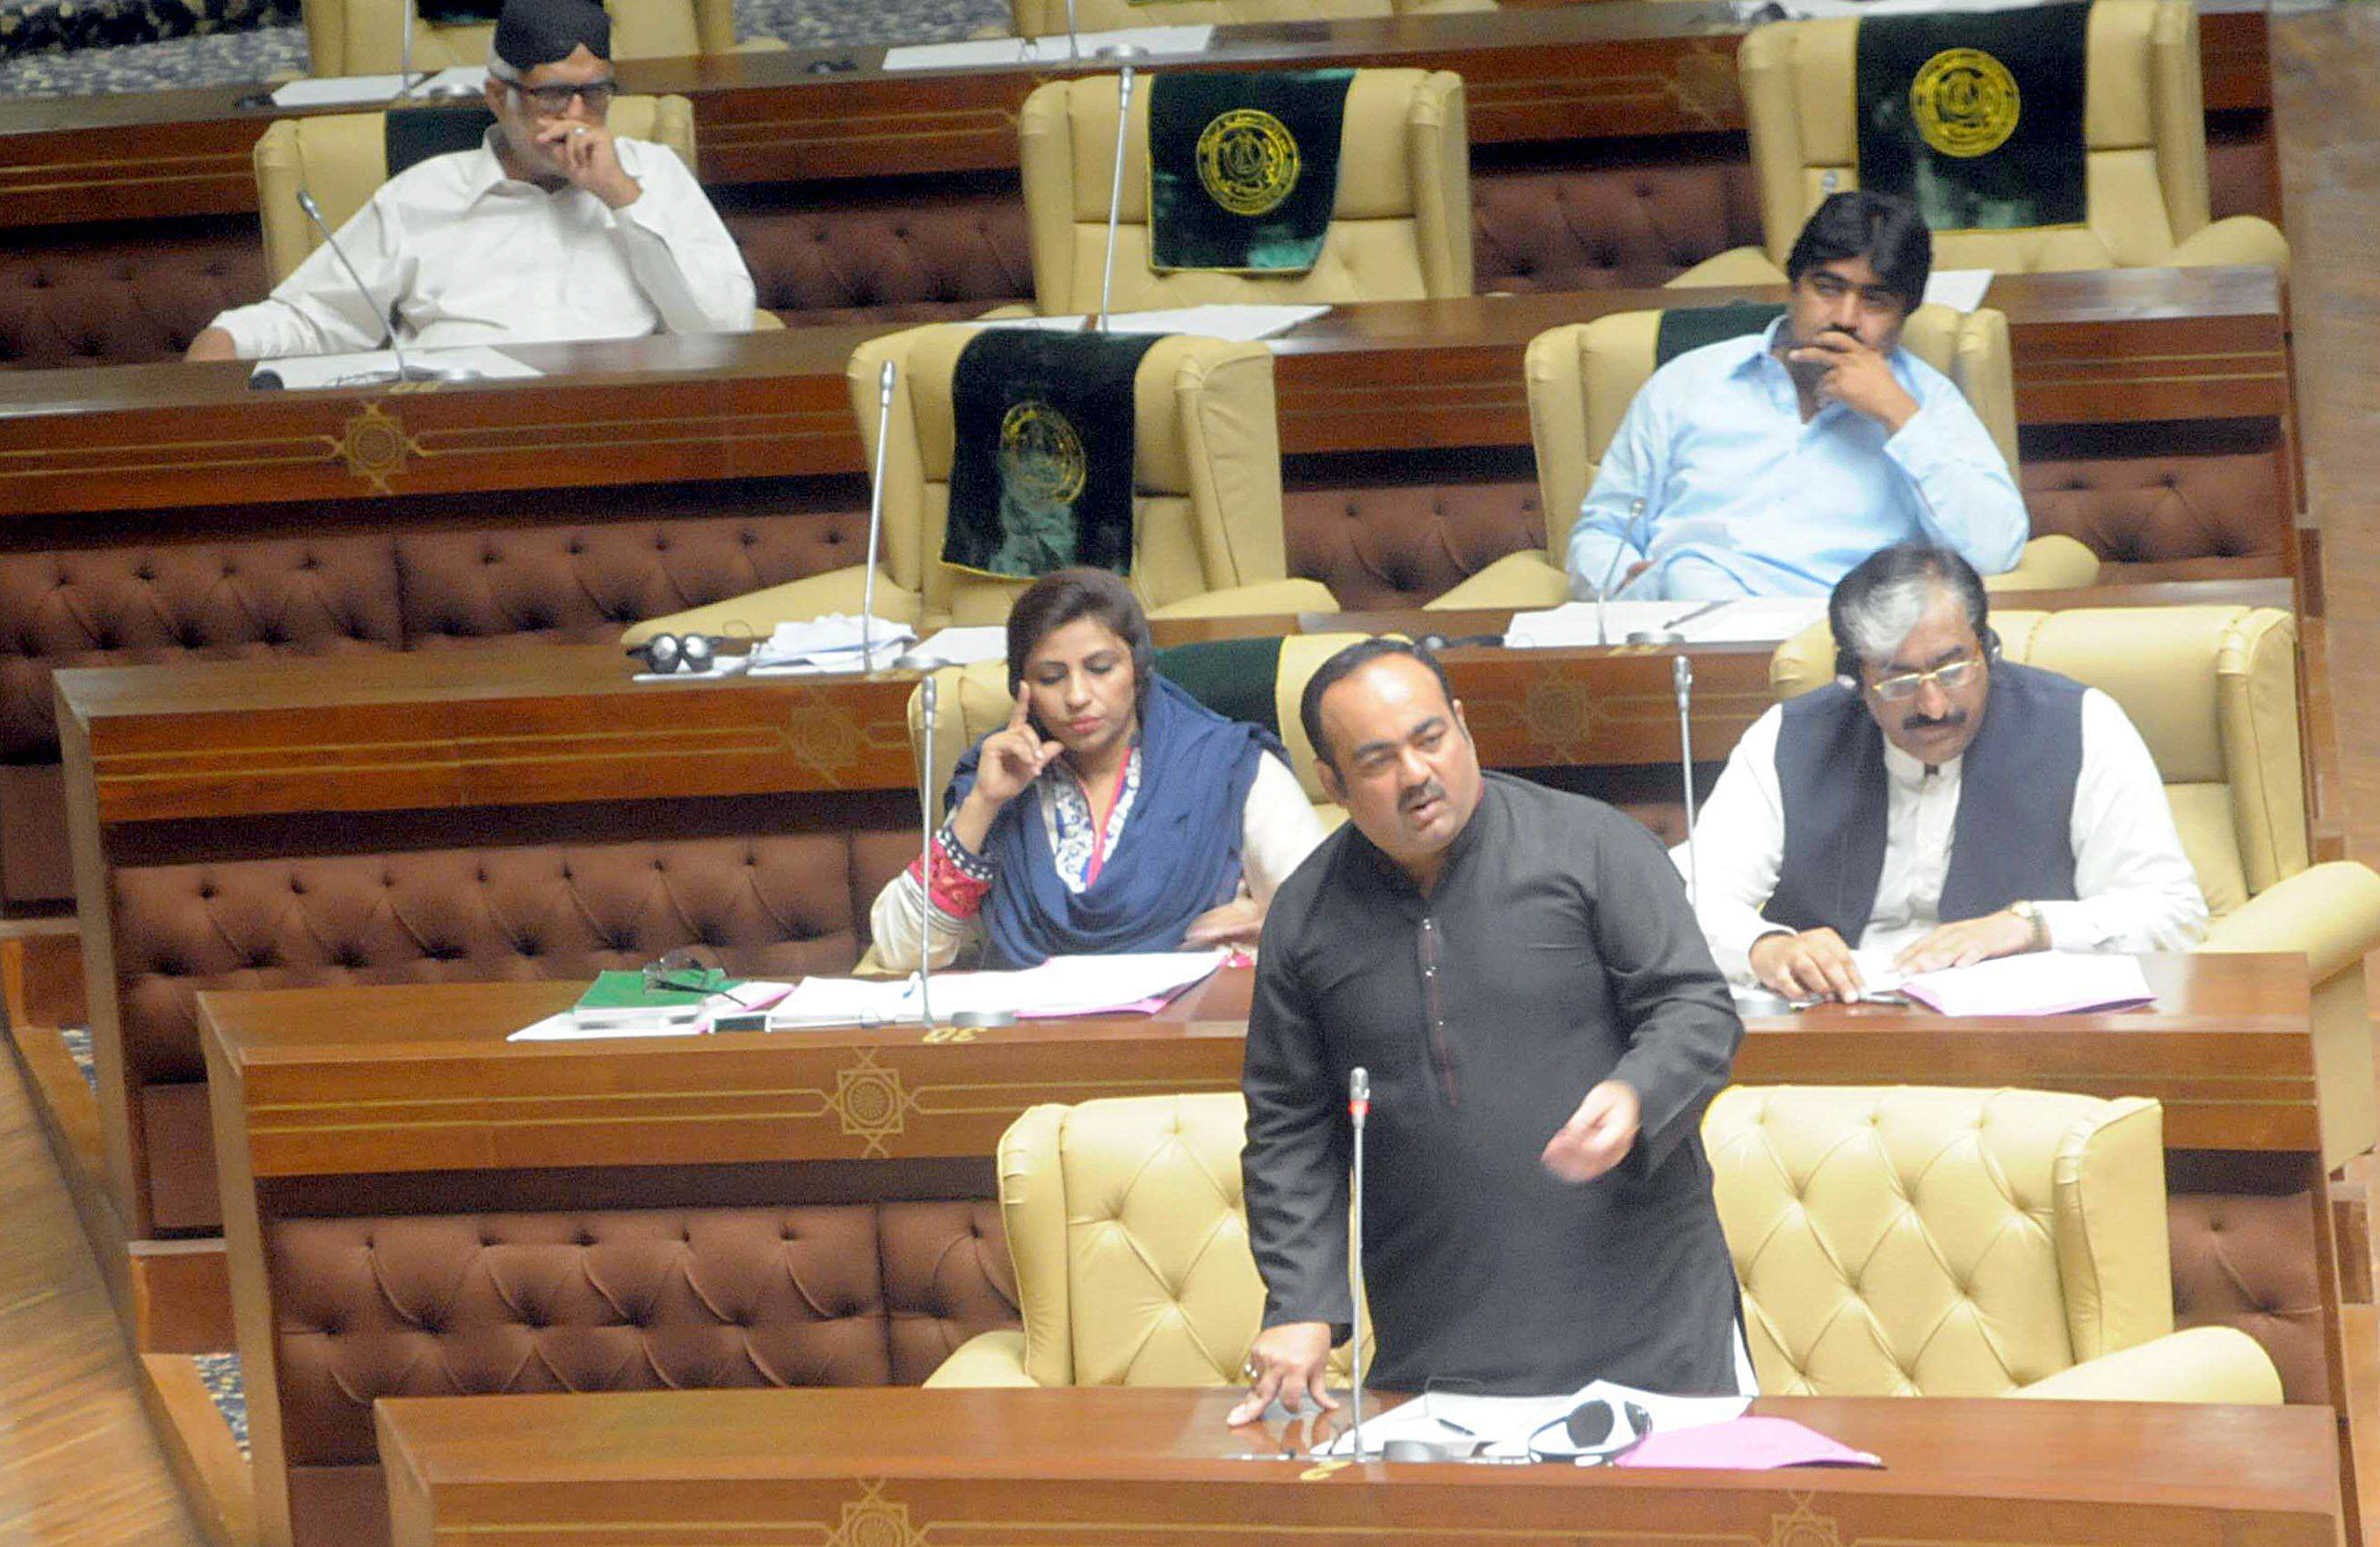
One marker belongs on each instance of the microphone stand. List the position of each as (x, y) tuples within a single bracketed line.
[(405, 371), (884, 380), (1074, 38), (1125, 54), (1359, 1106), (929, 693), (405, 21), (1753, 1000), (1604, 591)]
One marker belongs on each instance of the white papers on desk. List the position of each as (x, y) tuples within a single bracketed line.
[(2038, 984), (828, 644), (674, 1021), (1797, 10), (1503, 1424), (1755, 619), (1960, 289), (1240, 324), (1000, 53), (470, 362), (336, 90), (966, 646), (1061, 986)]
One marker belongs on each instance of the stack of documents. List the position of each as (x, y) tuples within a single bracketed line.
[(1241, 324), (1003, 52), (470, 362), (338, 91), (828, 644), (2039, 983), (963, 646), (577, 1025), (1138, 983), (1754, 620)]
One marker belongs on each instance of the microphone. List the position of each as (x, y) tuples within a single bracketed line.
[(1125, 54), (1359, 1106), (1753, 1000), (929, 695), (1603, 592), (405, 371), (884, 380)]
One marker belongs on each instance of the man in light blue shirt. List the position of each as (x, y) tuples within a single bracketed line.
[(1770, 465)]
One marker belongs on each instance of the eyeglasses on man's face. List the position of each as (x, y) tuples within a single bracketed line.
[(1904, 686), (555, 101)]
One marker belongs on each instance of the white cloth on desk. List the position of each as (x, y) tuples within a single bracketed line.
[(1278, 830), (2135, 888), (467, 255)]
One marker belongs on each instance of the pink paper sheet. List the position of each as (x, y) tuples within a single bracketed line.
[(1747, 1445)]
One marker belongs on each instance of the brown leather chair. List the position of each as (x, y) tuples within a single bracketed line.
[(2145, 123), (1400, 230)]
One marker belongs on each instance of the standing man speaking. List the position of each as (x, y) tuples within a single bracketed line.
[(1519, 970)]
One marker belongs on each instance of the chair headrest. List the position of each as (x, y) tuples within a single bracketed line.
[(415, 134)]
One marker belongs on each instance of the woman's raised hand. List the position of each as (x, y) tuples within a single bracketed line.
[(1012, 758)]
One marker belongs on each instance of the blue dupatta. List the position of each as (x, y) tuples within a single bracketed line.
[(1179, 854)]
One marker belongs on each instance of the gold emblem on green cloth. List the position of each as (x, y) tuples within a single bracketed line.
[(1040, 456), (1965, 102), (1247, 161)]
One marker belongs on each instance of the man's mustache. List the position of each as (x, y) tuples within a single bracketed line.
[(1951, 720), (1426, 793)]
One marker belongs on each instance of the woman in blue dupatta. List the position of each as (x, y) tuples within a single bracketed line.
[(1113, 811)]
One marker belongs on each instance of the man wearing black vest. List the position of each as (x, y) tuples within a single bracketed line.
[(1935, 806)]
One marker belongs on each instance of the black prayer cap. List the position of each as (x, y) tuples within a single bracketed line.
[(534, 32)]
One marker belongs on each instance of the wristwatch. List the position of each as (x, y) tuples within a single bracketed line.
[(2031, 914)]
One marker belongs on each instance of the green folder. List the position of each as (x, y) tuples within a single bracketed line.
[(621, 997)]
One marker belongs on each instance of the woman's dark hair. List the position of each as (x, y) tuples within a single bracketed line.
[(1886, 594), (1877, 226), (1356, 656), (1063, 596)]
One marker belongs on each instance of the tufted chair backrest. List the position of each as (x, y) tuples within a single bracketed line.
[(2143, 123), (1206, 470), (2214, 693), (359, 37), (1582, 377), (1130, 1241), (974, 701), (342, 159), (1939, 1242), (1400, 230)]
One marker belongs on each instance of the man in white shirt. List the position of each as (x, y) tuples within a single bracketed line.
[(1934, 803), (553, 229)]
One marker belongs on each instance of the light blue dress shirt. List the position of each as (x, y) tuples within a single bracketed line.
[(1741, 498)]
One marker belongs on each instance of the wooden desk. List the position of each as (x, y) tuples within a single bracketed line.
[(904, 1469), (2144, 349), (362, 1103), (1571, 74)]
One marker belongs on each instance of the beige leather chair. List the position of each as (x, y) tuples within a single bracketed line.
[(2145, 127), (973, 702), (1036, 18), (1125, 1223), (343, 158), (359, 37), (1582, 377), (1915, 1242), (2214, 693), (1206, 475), (1400, 230)]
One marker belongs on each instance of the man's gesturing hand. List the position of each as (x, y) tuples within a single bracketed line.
[(1599, 1135), (1289, 1361)]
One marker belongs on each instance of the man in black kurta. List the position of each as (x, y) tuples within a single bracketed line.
[(1519, 970)]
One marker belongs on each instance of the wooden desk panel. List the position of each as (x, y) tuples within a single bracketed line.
[(1576, 73), (1139, 1466), (2108, 349), (420, 1078)]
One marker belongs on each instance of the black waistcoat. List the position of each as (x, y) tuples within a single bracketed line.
[(2010, 839)]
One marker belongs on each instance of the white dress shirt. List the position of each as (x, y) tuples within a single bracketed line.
[(2135, 890), (1278, 830), (467, 255)]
